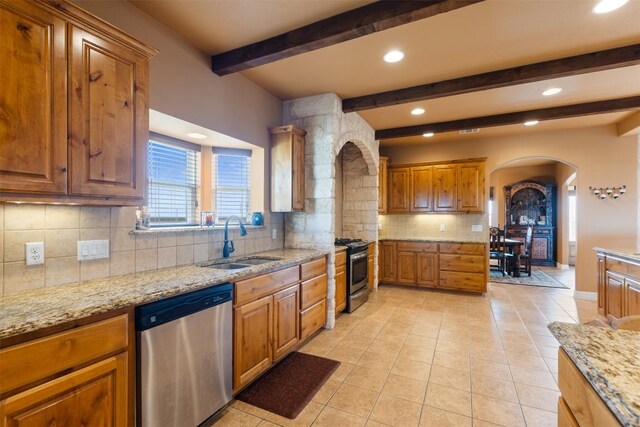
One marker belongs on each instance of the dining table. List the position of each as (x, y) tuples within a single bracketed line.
[(514, 247)]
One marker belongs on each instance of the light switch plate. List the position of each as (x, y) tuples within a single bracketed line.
[(443, 227), (274, 233), (477, 228), (92, 249), (34, 253)]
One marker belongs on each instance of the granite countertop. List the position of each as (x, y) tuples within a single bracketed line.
[(630, 253), (426, 240), (340, 248), (41, 308), (609, 360)]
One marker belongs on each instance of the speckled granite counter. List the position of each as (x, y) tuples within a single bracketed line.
[(32, 310), (610, 361), (628, 253)]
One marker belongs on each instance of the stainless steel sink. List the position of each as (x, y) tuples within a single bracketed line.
[(227, 266), (258, 260)]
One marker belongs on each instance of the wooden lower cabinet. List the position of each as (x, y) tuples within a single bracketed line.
[(427, 269), (82, 376), (457, 266), (273, 313), (406, 267), (286, 305), (253, 330), (602, 272), (579, 404), (370, 265), (341, 288), (615, 293), (632, 297)]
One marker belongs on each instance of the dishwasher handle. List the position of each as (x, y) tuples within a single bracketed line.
[(164, 311)]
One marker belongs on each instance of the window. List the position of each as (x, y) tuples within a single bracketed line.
[(230, 182), (173, 175), (572, 213)]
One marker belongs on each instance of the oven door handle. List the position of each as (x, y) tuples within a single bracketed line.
[(359, 255)]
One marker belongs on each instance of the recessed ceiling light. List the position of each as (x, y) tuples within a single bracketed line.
[(417, 111), (552, 91), (606, 6), (428, 134), (393, 56), (531, 122), (196, 135)]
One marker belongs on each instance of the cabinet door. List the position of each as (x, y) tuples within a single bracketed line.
[(341, 288), (382, 186), (398, 197), (427, 269), (615, 286), (298, 171), (406, 269), (444, 188), (33, 96), (252, 339), (388, 262), (632, 297), (286, 320), (370, 268), (108, 117), (470, 187), (602, 280), (92, 396), (421, 193)]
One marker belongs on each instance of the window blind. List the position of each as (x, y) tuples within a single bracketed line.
[(231, 183), (173, 176)]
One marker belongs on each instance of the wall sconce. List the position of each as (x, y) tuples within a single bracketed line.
[(613, 192)]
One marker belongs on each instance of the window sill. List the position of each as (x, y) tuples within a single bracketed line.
[(197, 229)]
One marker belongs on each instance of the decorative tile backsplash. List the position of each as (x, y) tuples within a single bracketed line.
[(427, 226), (60, 228)]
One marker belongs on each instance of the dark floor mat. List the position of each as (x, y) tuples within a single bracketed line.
[(287, 388)]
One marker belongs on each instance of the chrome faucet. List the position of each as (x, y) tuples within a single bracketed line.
[(228, 244)]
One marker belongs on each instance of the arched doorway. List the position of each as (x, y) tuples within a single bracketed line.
[(550, 173)]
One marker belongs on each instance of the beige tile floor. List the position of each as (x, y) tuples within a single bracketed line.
[(414, 357)]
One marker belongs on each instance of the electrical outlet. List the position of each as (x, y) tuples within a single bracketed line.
[(34, 253), (477, 228), (274, 233), (443, 227), (379, 226)]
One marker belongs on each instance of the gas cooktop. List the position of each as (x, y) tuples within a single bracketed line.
[(350, 242)]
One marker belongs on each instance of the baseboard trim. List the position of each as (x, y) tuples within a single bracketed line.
[(589, 296), (562, 266)]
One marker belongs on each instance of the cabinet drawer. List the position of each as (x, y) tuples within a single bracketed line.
[(472, 282), (341, 258), (25, 363), (565, 417), (417, 246), (626, 268), (313, 319), (253, 289), (312, 269), (313, 291), (466, 263), (462, 248)]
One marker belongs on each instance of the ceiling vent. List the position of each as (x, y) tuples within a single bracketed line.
[(474, 130)]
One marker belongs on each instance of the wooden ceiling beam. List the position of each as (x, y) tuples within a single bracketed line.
[(551, 113), (378, 16), (564, 67)]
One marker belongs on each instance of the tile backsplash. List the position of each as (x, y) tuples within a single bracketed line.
[(427, 226), (60, 228)]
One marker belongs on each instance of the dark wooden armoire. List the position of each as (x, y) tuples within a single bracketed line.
[(526, 203)]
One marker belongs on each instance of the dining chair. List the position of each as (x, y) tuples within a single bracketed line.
[(497, 250), (526, 255)]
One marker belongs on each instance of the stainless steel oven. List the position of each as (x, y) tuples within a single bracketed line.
[(357, 272)]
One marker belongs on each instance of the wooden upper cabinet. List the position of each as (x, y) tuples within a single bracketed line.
[(444, 188), (108, 116), (33, 96), (470, 187), (421, 185), (75, 89), (383, 179), (398, 197), (287, 169)]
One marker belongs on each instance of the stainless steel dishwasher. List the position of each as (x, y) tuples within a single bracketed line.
[(184, 357)]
